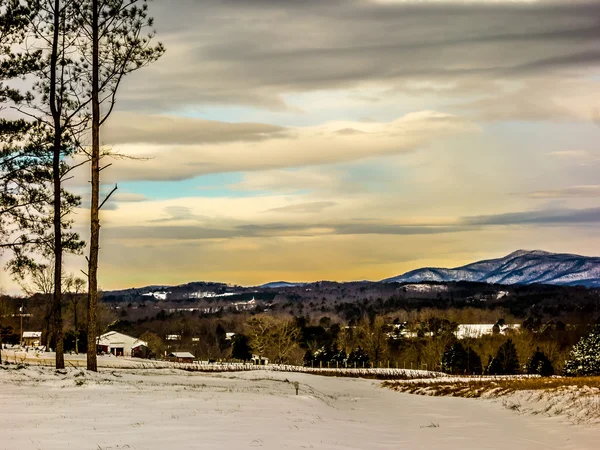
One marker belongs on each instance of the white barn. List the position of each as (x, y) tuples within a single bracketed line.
[(120, 344)]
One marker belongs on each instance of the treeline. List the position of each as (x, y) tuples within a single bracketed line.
[(427, 340)]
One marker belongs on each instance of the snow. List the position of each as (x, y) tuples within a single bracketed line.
[(158, 409)]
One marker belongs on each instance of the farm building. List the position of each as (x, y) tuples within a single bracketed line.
[(120, 344), (32, 338), (181, 357)]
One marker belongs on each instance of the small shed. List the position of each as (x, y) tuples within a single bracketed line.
[(32, 338), (260, 360), (181, 357)]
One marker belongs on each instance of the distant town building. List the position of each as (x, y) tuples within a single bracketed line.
[(120, 344), (173, 337)]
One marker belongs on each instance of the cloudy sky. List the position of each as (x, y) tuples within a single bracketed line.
[(353, 139)]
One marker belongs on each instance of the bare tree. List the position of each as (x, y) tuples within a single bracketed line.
[(285, 340), (74, 287), (259, 332)]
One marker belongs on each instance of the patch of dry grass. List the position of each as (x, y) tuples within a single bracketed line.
[(496, 387)]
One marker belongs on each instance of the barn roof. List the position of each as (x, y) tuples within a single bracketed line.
[(32, 334), (182, 355)]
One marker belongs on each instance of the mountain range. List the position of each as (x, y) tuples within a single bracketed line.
[(520, 267)]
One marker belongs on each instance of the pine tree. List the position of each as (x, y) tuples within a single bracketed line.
[(454, 359), (458, 360), (539, 364), (240, 348), (308, 359), (506, 361), (585, 356), (116, 40)]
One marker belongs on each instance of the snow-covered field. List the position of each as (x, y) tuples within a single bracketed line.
[(111, 362), (170, 409)]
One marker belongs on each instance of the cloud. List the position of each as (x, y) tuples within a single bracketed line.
[(297, 147), (304, 208), (127, 197), (290, 181), (178, 214), (571, 191), (271, 230), (559, 217), (581, 157), (131, 128), (300, 46)]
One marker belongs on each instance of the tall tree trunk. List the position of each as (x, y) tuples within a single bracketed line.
[(56, 180), (75, 324), (57, 298), (92, 363)]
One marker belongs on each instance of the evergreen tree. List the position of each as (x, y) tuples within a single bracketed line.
[(308, 359), (358, 357), (585, 356), (454, 359), (473, 362), (116, 39), (506, 361), (539, 364), (458, 360), (240, 348)]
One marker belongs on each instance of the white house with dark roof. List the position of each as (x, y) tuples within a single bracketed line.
[(120, 344)]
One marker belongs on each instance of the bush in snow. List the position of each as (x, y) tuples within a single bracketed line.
[(539, 364), (585, 356)]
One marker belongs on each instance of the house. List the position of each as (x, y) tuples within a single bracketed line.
[(229, 336), (475, 331), (259, 360), (120, 344), (32, 338), (181, 357)]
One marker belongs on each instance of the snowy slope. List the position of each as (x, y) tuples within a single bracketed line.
[(520, 267)]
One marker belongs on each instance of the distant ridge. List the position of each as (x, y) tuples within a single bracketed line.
[(280, 284), (520, 267)]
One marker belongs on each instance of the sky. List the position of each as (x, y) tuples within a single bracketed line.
[(305, 140)]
